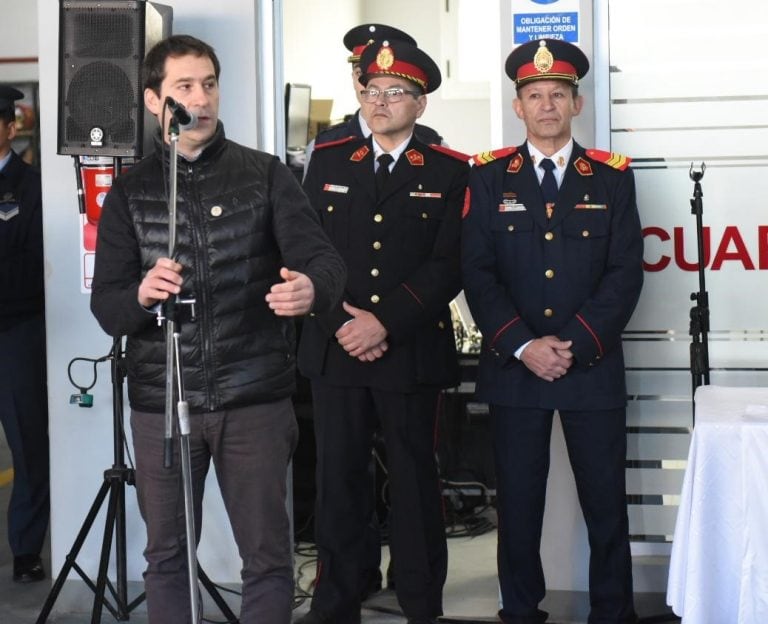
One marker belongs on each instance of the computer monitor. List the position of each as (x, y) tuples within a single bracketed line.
[(298, 98)]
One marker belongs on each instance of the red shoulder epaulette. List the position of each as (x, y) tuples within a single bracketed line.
[(336, 142), (612, 159), (483, 158), (448, 151)]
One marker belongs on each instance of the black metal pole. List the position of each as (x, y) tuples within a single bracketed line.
[(699, 315)]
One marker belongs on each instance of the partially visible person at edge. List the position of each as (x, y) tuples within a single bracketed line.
[(252, 253), (392, 206), (23, 385), (356, 40), (552, 264)]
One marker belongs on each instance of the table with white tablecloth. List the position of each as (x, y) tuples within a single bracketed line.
[(719, 565)]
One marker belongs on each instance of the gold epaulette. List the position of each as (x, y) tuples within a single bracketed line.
[(337, 142), (483, 158), (454, 153), (612, 159)]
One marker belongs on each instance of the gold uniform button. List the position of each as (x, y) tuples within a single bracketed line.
[(377, 245), (375, 272), (330, 209), (375, 298), (549, 236), (216, 211), (441, 324), (548, 312), (424, 215), (378, 218), (549, 273), (510, 228), (585, 233)]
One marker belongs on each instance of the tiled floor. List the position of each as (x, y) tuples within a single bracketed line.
[(471, 593)]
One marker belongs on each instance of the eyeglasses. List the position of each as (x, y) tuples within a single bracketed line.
[(395, 94)]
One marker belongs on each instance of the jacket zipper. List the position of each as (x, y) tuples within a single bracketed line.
[(200, 255)]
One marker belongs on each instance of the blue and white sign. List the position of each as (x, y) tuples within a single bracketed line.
[(529, 26), (551, 19)]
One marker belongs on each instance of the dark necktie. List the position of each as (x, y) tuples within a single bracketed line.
[(549, 185), (382, 173)]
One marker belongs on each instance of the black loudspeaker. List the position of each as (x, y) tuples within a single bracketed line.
[(101, 48)]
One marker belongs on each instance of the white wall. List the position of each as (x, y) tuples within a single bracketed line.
[(464, 124), (316, 55), (81, 439), (18, 41), (313, 50)]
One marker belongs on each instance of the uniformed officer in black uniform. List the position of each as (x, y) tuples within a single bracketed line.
[(552, 266), (385, 353), (355, 40), (23, 391)]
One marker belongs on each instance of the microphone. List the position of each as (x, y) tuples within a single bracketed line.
[(187, 119)]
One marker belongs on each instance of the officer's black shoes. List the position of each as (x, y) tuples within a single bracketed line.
[(28, 569)]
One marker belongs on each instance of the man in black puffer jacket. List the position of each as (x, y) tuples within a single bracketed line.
[(251, 252)]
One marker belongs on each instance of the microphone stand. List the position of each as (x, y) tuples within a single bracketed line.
[(699, 324), (174, 368)]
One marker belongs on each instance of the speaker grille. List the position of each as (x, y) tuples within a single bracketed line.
[(101, 95), (105, 33)]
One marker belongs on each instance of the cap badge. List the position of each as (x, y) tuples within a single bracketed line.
[(385, 58), (543, 59)]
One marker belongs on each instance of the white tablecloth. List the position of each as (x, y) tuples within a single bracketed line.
[(718, 571)]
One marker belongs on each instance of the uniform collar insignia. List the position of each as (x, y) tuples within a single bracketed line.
[(515, 163), (415, 157), (583, 166), (360, 153)]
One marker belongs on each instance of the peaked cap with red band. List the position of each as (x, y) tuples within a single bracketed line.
[(401, 59), (359, 37), (546, 59)]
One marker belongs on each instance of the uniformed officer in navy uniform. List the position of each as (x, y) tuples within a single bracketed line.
[(386, 352), (23, 390), (356, 40), (552, 267)]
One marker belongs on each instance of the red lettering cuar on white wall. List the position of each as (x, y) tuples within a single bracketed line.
[(730, 248)]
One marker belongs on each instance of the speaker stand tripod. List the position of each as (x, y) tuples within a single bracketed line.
[(115, 480)]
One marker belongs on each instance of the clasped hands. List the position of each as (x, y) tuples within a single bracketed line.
[(363, 336), (548, 357)]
